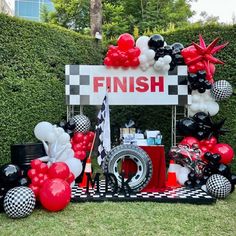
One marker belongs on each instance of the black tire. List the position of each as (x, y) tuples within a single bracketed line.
[(139, 156)]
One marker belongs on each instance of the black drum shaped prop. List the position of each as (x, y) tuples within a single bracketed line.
[(143, 162), (22, 154)]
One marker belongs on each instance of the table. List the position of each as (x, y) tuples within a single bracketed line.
[(157, 156)]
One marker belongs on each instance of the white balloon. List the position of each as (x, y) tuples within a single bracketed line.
[(166, 67), (63, 138), (142, 42), (75, 166), (51, 137), (42, 129), (213, 108), (151, 62), (167, 59), (195, 98), (194, 107), (182, 175), (143, 58), (150, 54), (160, 59), (158, 65)]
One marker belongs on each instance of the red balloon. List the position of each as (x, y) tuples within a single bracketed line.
[(189, 141), (35, 181), (107, 61), (78, 137), (43, 168), (71, 178), (55, 194), (91, 136), (84, 147), (213, 140), (125, 42), (226, 152), (77, 147), (112, 48), (31, 173), (35, 163), (89, 146), (81, 155), (135, 62), (35, 189), (86, 140), (58, 170)]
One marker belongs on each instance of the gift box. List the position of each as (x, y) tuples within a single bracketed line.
[(126, 131)]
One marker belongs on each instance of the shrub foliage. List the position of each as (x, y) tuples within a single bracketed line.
[(32, 61)]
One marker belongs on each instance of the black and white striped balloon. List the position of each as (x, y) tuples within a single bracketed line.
[(221, 90)]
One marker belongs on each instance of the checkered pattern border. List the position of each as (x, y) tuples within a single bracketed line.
[(77, 86), (181, 195)]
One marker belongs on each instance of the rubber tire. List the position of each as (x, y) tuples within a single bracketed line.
[(139, 156)]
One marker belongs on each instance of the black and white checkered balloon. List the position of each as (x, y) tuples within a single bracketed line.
[(19, 202), (218, 186), (82, 123), (221, 90)]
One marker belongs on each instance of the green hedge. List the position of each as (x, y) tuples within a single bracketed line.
[(32, 61)]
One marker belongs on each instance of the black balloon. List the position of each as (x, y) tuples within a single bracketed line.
[(177, 47), (233, 179), (198, 81), (225, 171), (9, 175), (3, 192), (202, 118), (156, 41), (208, 155), (189, 184), (70, 125), (23, 181), (192, 176), (187, 126), (216, 157)]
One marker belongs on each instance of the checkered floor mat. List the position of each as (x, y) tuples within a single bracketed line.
[(181, 195)]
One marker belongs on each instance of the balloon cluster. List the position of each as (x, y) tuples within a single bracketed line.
[(174, 51), (211, 145), (82, 143), (200, 57), (155, 52), (51, 185), (10, 177), (198, 81), (203, 102), (200, 126), (196, 167), (57, 146), (125, 54)]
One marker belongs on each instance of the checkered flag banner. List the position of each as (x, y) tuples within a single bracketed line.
[(103, 131)]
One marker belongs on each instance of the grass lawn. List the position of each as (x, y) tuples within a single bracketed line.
[(128, 219)]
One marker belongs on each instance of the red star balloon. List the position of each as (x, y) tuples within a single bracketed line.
[(200, 57)]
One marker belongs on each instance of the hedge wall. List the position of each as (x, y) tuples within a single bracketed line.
[(32, 61)]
